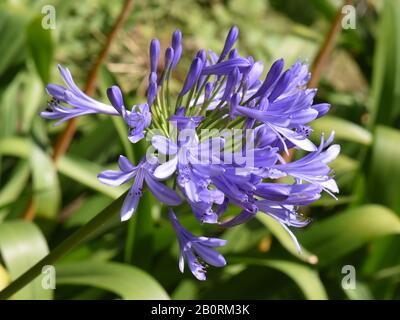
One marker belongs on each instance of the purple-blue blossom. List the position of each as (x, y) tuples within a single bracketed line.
[(141, 173), (217, 142), (137, 120), (198, 251), (79, 103)]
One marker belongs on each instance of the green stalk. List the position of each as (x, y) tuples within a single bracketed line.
[(189, 98), (163, 110), (121, 130), (169, 94), (215, 122), (235, 122), (203, 109), (130, 238), (201, 89), (214, 114), (177, 104), (71, 242)]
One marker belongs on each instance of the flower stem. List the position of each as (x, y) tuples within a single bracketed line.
[(71, 242)]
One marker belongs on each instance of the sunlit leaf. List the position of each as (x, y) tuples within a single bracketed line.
[(345, 232), (285, 240), (128, 282), (46, 187), (305, 277), (385, 90), (12, 24), (384, 177), (344, 130), (40, 45), (13, 188), (85, 172), (4, 278), (360, 292), (22, 245)]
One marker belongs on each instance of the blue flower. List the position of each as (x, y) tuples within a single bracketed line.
[(142, 172), (311, 168), (82, 104), (138, 119), (194, 172), (222, 93), (197, 250)]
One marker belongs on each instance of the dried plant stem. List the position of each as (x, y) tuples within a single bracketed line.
[(327, 47), (322, 58), (65, 138)]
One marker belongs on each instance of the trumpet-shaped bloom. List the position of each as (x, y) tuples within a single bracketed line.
[(141, 173), (81, 103), (197, 250)]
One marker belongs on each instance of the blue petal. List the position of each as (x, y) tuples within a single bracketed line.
[(164, 145), (115, 178), (166, 169), (162, 192), (132, 199), (209, 255), (125, 165), (114, 94), (226, 67), (229, 42), (243, 217)]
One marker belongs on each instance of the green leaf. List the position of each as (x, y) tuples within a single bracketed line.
[(98, 133), (12, 24), (85, 172), (128, 282), (345, 232), (22, 245), (385, 92), (122, 130), (384, 174), (33, 96), (284, 238), (186, 290), (90, 207), (344, 129), (16, 184), (243, 238), (344, 164), (40, 45), (360, 292), (383, 188), (8, 111), (4, 278), (305, 277), (140, 240), (325, 7), (15, 146), (46, 187)]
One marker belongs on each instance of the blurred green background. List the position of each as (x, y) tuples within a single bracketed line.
[(138, 259)]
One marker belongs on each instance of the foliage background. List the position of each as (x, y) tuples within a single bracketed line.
[(138, 259)]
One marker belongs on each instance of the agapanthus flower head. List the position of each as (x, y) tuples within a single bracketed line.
[(219, 140)]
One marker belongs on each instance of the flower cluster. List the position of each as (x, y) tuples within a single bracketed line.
[(220, 142)]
